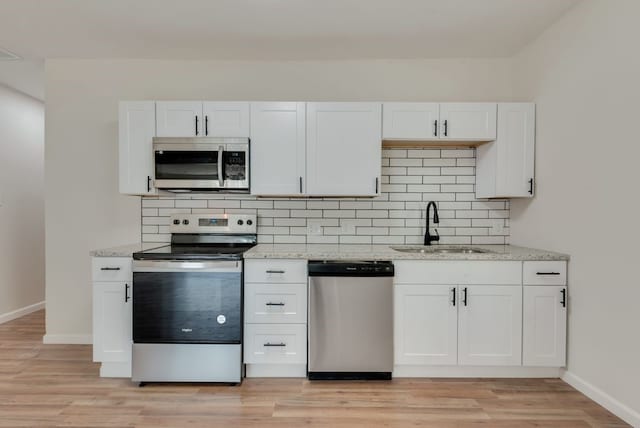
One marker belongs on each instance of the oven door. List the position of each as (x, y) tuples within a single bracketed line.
[(187, 302)]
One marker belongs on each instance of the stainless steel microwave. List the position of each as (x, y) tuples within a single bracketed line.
[(200, 163)]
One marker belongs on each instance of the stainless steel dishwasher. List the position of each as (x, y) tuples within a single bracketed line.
[(350, 320)]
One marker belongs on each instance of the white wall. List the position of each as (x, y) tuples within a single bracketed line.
[(84, 209), (21, 202), (583, 73)]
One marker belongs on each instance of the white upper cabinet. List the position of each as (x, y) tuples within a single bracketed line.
[(137, 127), (544, 326), (410, 121), (225, 119), (468, 121), (278, 146), (505, 168), (490, 331), (425, 324), (344, 145), (179, 119)]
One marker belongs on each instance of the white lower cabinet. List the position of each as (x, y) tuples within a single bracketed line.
[(112, 316), (418, 306), (275, 318), (545, 326), (490, 330)]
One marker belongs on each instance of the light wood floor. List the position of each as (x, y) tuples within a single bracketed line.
[(58, 385)]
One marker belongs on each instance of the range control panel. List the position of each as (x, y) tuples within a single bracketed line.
[(213, 223)]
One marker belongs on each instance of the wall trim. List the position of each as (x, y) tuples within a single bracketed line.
[(10, 316), (624, 412), (67, 339), (476, 371)]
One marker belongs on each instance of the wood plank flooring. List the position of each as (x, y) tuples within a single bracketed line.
[(58, 385)]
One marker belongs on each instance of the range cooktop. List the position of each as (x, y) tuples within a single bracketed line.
[(193, 252)]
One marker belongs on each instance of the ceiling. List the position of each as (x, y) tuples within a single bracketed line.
[(272, 29)]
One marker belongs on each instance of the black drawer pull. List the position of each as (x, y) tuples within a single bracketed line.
[(268, 344), (109, 268), (547, 273), (274, 304), (275, 271), (435, 128)]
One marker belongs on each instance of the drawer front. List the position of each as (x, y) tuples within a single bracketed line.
[(276, 271), (275, 303), (111, 269), (458, 272), (545, 273), (275, 344)]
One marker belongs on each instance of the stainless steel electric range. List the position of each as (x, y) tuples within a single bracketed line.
[(187, 301)]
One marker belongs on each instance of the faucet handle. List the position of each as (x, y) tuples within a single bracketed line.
[(437, 237)]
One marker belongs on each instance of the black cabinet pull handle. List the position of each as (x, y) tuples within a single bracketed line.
[(547, 273), (435, 128), (274, 304), (377, 183), (531, 186), (446, 127), (109, 268), (453, 300), (196, 124), (126, 293), (300, 184), (464, 296), (148, 183), (268, 344), (275, 271), (563, 302), (206, 125)]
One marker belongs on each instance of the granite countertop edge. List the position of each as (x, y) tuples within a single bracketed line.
[(358, 252)]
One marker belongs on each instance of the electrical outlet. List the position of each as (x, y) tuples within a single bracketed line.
[(314, 229), (497, 228)]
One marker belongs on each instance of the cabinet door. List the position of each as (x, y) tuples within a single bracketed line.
[(505, 167), (410, 121), (137, 127), (468, 121), (344, 146), (179, 119), (425, 325), (225, 119), (490, 325), (112, 321), (545, 326), (278, 148)]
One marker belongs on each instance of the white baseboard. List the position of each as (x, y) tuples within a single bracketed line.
[(276, 370), (10, 316), (476, 371), (622, 411), (67, 339)]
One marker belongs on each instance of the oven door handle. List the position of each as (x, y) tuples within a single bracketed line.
[(220, 169), (229, 266)]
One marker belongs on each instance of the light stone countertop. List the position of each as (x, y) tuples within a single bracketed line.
[(385, 252), (125, 250), (357, 252)]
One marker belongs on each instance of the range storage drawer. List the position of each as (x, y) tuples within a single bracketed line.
[(275, 303), (545, 273), (275, 344), (276, 271), (111, 269)]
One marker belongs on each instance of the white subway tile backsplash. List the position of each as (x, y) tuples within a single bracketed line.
[(411, 178)]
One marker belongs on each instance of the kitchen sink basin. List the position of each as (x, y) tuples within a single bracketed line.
[(439, 250)]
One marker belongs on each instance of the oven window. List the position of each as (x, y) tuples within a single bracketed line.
[(186, 165), (234, 165), (187, 307)]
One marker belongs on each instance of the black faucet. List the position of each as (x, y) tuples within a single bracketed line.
[(427, 236)]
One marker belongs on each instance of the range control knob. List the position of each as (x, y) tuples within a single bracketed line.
[(240, 222), (249, 222), (176, 221), (185, 222)]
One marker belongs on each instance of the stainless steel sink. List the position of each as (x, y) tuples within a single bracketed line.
[(440, 250)]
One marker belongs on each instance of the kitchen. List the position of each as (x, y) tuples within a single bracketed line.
[(333, 167)]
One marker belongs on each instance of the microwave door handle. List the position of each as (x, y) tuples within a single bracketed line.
[(220, 172)]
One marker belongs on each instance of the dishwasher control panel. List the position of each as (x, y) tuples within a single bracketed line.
[(350, 268)]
